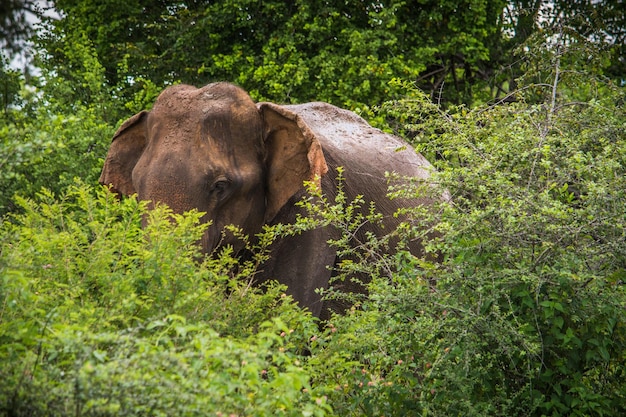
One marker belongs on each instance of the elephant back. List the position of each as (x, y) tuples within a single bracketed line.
[(367, 154)]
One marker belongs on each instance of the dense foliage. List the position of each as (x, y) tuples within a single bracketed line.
[(343, 52), (14, 22), (100, 317), (523, 314)]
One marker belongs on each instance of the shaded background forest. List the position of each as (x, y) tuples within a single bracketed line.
[(520, 106), (343, 52)]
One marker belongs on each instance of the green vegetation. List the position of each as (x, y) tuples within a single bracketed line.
[(100, 317), (525, 314)]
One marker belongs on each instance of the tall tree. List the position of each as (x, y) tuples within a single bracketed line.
[(526, 22), (345, 52), (15, 27)]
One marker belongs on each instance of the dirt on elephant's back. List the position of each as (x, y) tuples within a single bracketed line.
[(354, 143)]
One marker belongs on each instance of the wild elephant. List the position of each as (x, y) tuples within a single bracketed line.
[(213, 149)]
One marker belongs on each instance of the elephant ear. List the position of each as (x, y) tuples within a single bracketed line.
[(128, 144), (293, 155)]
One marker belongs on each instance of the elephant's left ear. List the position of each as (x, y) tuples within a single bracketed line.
[(293, 155)]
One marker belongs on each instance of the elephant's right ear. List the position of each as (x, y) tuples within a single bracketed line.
[(293, 155), (128, 144)]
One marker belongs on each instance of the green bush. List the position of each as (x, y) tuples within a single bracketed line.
[(101, 317), (60, 129), (527, 313), (50, 150)]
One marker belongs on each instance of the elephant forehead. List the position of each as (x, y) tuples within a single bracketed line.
[(184, 101), (195, 121)]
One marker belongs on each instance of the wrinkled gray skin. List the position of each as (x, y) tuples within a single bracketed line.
[(213, 149)]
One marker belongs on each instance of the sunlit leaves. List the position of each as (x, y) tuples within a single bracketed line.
[(107, 317)]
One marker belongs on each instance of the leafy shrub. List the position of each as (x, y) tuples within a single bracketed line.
[(62, 127), (50, 150), (101, 317), (527, 314)]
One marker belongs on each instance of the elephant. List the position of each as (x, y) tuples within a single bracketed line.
[(243, 163)]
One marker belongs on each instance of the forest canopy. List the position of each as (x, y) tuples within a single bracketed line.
[(520, 105), (343, 52)]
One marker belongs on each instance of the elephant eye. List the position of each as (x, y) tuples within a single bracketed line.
[(220, 188)]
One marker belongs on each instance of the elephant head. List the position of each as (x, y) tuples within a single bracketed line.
[(212, 149)]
